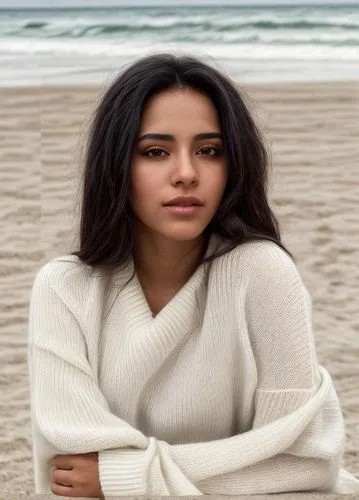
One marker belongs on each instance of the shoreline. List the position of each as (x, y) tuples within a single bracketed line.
[(94, 85)]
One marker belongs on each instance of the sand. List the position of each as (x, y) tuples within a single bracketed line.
[(312, 129)]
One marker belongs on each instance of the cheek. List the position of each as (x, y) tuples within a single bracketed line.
[(217, 185), (144, 186)]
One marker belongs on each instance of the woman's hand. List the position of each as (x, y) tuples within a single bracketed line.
[(76, 476)]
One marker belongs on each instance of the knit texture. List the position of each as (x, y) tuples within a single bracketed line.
[(220, 393)]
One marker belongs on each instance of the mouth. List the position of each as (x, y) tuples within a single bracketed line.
[(182, 205), (184, 201), (183, 209)]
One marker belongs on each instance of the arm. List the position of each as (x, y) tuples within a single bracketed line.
[(69, 413), (240, 465), (296, 440)]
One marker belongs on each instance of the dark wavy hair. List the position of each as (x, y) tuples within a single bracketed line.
[(107, 222)]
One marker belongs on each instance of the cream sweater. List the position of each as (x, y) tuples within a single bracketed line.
[(220, 393)]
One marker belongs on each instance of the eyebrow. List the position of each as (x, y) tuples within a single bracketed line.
[(168, 137)]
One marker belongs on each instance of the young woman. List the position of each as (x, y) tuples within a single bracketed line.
[(173, 353)]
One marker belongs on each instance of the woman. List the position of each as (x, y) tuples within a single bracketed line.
[(173, 354)]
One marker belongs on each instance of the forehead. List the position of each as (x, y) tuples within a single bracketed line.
[(178, 108)]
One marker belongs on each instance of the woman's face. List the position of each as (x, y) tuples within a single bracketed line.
[(179, 153)]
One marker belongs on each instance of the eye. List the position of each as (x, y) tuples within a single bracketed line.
[(210, 151), (154, 153)]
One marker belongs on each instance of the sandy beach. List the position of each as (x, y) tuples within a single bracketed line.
[(312, 130)]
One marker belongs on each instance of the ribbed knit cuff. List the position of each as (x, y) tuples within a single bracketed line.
[(123, 471), (272, 405)]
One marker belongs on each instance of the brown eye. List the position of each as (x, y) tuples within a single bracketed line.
[(154, 153), (210, 151)]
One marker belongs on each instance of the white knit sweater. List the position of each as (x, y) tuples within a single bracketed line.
[(220, 393)]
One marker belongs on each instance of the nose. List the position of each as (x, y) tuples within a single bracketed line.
[(185, 171)]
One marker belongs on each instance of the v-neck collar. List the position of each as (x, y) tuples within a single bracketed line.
[(180, 314)]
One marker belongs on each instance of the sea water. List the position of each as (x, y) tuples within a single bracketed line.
[(251, 44)]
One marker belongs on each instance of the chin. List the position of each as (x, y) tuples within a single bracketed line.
[(183, 235)]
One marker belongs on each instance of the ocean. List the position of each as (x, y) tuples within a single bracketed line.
[(251, 44)]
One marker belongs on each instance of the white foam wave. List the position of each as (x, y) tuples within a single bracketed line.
[(111, 48)]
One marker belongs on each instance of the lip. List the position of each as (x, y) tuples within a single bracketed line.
[(183, 210), (184, 202)]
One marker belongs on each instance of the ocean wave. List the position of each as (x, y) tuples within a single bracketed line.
[(34, 25), (288, 24), (60, 49), (226, 27), (225, 37), (77, 28), (43, 44), (261, 40)]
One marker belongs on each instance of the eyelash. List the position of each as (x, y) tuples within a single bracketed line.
[(218, 152)]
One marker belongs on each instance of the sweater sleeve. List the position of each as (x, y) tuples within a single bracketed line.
[(69, 413), (296, 439)]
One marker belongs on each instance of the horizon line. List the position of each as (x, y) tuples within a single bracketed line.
[(184, 4)]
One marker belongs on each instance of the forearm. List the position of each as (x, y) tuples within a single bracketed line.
[(71, 416), (200, 461), (280, 474)]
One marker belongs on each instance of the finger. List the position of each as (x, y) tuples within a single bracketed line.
[(64, 491), (62, 477), (62, 462)]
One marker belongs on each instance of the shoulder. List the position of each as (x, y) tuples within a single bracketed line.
[(79, 286), (63, 309), (69, 280), (260, 260), (261, 269), (63, 271)]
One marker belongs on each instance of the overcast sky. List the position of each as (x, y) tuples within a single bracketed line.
[(89, 3)]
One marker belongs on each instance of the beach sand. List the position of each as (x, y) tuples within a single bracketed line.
[(313, 132)]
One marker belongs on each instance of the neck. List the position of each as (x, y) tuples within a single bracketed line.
[(166, 263)]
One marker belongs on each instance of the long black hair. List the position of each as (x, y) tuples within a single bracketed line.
[(107, 223)]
